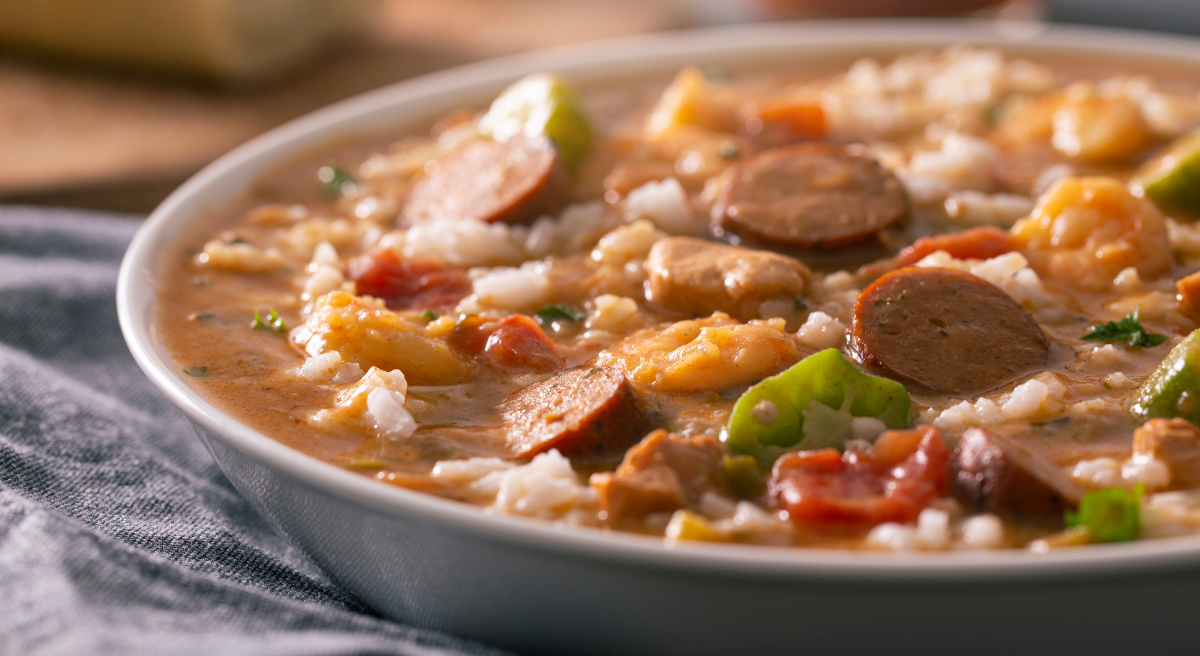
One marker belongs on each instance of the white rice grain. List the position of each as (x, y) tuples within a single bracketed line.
[(320, 368), (513, 288), (391, 418), (610, 312), (1097, 472), (547, 485), (933, 528), (893, 536), (627, 242), (983, 532), (978, 208), (464, 243), (821, 331), (666, 204), (239, 257)]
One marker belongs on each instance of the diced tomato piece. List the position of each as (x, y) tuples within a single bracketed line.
[(804, 120), (890, 482), (408, 284), (471, 334), (514, 342), (519, 343), (979, 243)]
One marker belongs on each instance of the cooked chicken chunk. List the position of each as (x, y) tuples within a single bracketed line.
[(1176, 442), (700, 277), (663, 472)]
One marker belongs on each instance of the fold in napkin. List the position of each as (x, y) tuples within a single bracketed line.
[(118, 534)]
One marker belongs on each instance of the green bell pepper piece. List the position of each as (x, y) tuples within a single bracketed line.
[(1173, 390), (811, 405), (1172, 179), (541, 104), (1111, 515)]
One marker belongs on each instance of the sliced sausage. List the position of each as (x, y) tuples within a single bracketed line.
[(1176, 442), (945, 330), (513, 181), (699, 277), (813, 195), (663, 472), (582, 412), (996, 474)]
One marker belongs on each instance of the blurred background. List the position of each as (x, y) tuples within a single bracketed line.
[(110, 104)]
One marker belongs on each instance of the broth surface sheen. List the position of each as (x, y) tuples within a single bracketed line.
[(908, 303)]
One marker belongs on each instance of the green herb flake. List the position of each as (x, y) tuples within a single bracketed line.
[(200, 316), (798, 304), (335, 181), (1129, 330), (272, 322), (196, 372), (1111, 515), (552, 313), (429, 315), (729, 151), (238, 240)]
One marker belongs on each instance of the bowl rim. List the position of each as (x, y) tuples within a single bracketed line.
[(186, 204)]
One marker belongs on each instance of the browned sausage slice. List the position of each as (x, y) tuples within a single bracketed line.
[(808, 196), (513, 181), (996, 474), (582, 412), (945, 330)]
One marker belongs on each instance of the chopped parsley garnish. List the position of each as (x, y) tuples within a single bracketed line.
[(335, 181), (238, 240), (1112, 515), (196, 372), (555, 312), (729, 151), (799, 304), (429, 315), (1128, 329), (273, 322)]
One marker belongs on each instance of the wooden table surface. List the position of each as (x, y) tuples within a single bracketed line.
[(122, 141)]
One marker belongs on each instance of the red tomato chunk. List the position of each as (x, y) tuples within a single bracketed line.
[(982, 243), (407, 285), (471, 334), (514, 342), (890, 482), (519, 343)]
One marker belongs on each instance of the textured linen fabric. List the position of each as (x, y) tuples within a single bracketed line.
[(118, 533)]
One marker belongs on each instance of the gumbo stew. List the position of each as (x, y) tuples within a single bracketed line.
[(943, 301)]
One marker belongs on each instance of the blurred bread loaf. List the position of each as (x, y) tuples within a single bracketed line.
[(226, 40)]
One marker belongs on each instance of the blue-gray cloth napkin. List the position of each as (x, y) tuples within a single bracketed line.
[(118, 534)]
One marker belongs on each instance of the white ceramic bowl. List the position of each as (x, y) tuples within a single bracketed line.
[(530, 587)]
